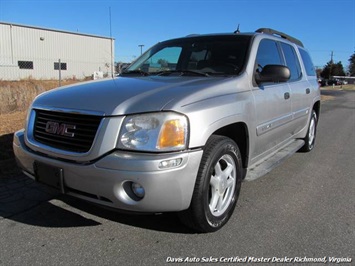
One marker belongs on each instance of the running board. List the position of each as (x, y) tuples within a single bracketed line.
[(270, 163)]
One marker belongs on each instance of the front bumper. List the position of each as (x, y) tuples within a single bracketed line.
[(105, 180)]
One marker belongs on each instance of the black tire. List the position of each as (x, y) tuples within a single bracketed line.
[(311, 133), (217, 186)]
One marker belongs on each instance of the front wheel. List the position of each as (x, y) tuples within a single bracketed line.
[(217, 186), (311, 134)]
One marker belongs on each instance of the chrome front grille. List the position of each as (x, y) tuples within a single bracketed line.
[(66, 131)]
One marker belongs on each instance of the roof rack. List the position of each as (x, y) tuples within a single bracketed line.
[(192, 35), (281, 34)]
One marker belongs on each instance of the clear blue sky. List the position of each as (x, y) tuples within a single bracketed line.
[(323, 25)]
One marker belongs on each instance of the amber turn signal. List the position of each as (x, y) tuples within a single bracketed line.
[(172, 134)]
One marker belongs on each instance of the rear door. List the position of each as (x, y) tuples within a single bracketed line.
[(299, 87)]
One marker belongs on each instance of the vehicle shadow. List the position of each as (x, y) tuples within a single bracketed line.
[(166, 222), (8, 165), (25, 201)]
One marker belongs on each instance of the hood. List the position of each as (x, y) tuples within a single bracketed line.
[(127, 95)]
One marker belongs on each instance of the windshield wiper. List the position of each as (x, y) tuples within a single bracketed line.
[(137, 71), (182, 73)]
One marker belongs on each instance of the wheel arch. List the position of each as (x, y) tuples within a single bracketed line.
[(238, 132), (316, 108)]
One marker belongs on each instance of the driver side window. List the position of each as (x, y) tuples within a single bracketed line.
[(268, 54)]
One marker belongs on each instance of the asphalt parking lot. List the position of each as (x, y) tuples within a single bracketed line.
[(302, 211)]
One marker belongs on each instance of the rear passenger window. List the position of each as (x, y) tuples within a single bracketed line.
[(268, 54), (307, 61), (291, 61)]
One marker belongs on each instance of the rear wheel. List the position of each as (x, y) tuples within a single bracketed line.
[(217, 186), (311, 134)]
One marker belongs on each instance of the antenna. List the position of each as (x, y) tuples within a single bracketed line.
[(141, 46), (112, 59), (237, 31)]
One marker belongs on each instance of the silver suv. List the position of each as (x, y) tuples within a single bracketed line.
[(180, 129)]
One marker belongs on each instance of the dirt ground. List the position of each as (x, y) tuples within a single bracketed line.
[(10, 123)]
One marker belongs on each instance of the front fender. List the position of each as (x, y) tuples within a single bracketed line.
[(207, 116)]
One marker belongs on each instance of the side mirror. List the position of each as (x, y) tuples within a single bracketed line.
[(273, 73)]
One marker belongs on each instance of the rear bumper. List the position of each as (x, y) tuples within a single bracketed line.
[(107, 181)]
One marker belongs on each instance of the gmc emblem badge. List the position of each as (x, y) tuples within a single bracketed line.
[(60, 129)]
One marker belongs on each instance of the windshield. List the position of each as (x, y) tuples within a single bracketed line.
[(207, 55)]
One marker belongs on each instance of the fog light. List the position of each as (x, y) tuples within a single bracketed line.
[(138, 190), (170, 163)]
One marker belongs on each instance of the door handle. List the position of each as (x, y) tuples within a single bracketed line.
[(287, 95), (308, 91)]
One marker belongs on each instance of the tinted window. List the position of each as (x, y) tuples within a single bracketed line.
[(199, 55), (214, 55), (291, 61), (268, 54), (307, 61)]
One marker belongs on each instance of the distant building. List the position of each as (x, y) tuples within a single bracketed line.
[(39, 53), (345, 79)]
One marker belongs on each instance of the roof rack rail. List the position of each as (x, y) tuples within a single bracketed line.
[(192, 35), (281, 34)]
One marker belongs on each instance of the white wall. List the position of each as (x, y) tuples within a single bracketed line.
[(83, 54)]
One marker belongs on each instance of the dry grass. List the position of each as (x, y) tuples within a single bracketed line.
[(12, 122), (348, 87), (15, 98)]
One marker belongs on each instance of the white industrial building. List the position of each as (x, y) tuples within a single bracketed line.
[(33, 52)]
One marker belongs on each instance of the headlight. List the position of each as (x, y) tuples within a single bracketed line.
[(164, 131)]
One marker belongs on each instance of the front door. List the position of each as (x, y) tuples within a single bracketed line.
[(272, 104)]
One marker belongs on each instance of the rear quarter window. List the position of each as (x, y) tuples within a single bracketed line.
[(307, 62)]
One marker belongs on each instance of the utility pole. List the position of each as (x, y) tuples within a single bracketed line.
[(331, 65), (141, 46)]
